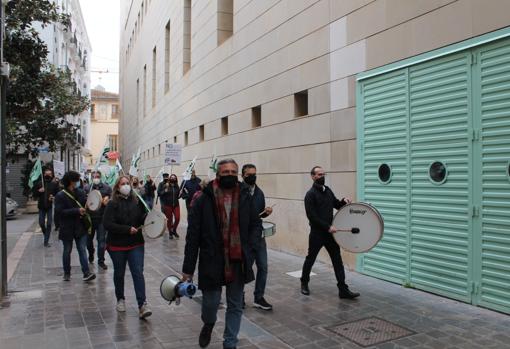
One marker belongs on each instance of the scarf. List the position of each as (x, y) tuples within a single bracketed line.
[(229, 230)]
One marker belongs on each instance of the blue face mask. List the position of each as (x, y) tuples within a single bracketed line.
[(77, 184)]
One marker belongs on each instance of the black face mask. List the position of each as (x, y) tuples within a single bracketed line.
[(250, 179), (320, 181), (165, 180), (47, 178), (228, 182)]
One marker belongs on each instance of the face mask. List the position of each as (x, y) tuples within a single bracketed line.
[(165, 180), (320, 181), (48, 178), (228, 182), (125, 189), (96, 181), (77, 184), (250, 179)]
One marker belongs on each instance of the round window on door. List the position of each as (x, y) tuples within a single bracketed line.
[(384, 173), (438, 172)]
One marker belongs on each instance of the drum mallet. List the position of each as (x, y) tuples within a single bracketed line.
[(145, 225), (352, 230), (261, 213)]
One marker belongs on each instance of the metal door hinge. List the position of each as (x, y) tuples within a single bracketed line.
[(475, 211), (475, 135), (474, 287), (472, 59)]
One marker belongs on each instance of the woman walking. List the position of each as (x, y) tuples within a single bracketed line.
[(123, 217), (169, 195)]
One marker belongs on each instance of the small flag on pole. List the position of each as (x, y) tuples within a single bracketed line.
[(119, 167), (35, 173), (187, 174), (135, 161), (103, 157), (213, 168)]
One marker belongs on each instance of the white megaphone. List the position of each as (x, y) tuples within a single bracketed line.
[(172, 289)]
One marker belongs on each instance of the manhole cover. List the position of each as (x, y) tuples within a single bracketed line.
[(370, 331)]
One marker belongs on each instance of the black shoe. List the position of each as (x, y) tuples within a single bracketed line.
[(67, 277), (176, 235), (304, 289), (102, 265), (262, 304), (47, 244), (347, 294), (205, 335), (89, 276), (171, 236)]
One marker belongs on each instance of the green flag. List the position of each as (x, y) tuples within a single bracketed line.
[(35, 173), (111, 177), (103, 157)]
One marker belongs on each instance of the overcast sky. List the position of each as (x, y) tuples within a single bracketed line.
[(102, 21)]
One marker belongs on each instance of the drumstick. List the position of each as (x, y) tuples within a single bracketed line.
[(143, 226), (353, 230), (261, 213)]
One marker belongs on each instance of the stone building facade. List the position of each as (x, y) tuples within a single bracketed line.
[(272, 83)]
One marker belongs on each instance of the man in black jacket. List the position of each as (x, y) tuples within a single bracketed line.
[(249, 173), (189, 188), (97, 220), (74, 224), (221, 234), (319, 204), (45, 191)]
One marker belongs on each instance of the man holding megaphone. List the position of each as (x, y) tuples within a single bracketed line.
[(221, 232)]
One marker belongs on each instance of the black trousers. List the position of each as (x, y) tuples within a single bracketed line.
[(316, 241)]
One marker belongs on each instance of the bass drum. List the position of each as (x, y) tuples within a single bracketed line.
[(154, 225), (359, 227)]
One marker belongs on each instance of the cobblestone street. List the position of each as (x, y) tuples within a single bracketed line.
[(42, 311)]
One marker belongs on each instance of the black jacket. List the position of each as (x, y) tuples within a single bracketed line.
[(259, 203), (168, 196), (43, 201), (105, 190), (119, 216), (150, 188), (204, 240), (67, 212), (189, 188), (319, 204)]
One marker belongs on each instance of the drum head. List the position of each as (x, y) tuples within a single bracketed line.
[(94, 200), (364, 217), (155, 224)]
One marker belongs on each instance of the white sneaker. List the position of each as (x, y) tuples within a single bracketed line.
[(145, 311), (121, 306)]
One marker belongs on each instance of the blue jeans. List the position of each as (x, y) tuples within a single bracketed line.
[(211, 301), (134, 258), (97, 227), (45, 222), (261, 263), (149, 201), (81, 245)]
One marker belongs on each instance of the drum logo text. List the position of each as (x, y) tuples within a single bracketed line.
[(361, 212)]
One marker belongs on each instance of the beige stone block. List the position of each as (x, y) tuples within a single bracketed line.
[(490, 15), (338, 34), (339, 94), (343, 124), (277, 111), (343, 184), (349, 60), (212, 130), (239, 122), (341, 8), (366, 21), (319, 100), (343, 156)]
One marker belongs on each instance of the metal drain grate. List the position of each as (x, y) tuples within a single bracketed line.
[(370, 331)]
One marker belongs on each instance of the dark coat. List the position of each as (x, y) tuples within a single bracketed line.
[(119, 216), (150, 188), (204, 240), (43, 201), (259, 203), (189, 188), (67, 211), (168, 196), (105, 190), (319, 205)]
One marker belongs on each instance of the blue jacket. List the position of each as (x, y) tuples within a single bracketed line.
[(72, 225)]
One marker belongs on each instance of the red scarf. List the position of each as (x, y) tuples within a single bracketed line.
[(229, 230)]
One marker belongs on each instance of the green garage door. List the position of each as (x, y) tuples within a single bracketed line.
[(493, 71), (440, 220), (385, 132), (446, 204)]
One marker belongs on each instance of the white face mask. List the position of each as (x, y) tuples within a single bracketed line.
[(96, 181), (125, 189)]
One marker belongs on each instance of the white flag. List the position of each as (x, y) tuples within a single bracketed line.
[(135, 162), (187, 174), (119, 167), (213, 168)]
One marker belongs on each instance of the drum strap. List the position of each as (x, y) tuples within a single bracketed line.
[(143, 202), (86, 215)]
